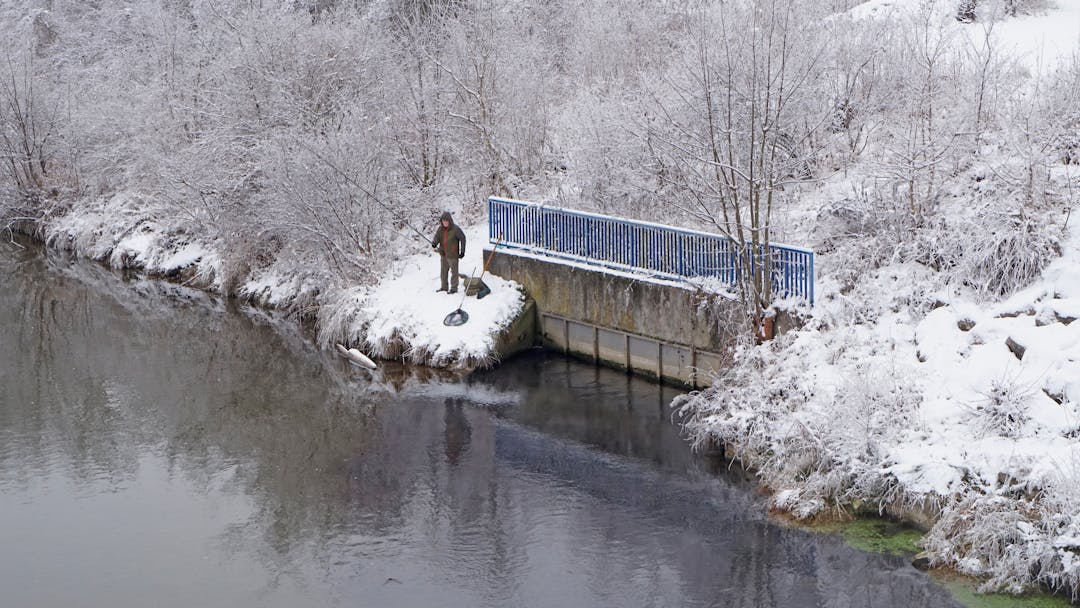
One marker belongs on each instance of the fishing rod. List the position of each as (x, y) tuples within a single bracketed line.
[(366, 192)]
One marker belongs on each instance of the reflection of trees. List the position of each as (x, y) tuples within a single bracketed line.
[(98, 373), (701, 540)]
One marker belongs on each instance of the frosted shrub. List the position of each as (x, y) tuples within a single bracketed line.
[(1003, 411), (859, 234), (743, 405), (1060, 516), (1012, 536), (968, 11), (850, 439), (985, 536), (991, 251), (1023, 7), (965, 11)]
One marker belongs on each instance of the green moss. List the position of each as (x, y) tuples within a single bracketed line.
[(963, 590), (881, 536), (875, 535)]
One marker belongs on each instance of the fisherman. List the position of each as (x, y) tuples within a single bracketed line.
[(450, 242)]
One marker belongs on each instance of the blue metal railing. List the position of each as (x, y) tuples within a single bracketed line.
[(659, 250)]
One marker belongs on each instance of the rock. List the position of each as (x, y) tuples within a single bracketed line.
[(965, 324), (1016, 348), (1012, 314), (921, 561)]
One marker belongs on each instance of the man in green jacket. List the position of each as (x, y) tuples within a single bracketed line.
[(450, 242)]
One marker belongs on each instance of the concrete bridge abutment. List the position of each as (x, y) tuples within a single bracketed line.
[(663, 329)]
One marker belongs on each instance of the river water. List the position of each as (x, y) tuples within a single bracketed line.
[(158, 448)]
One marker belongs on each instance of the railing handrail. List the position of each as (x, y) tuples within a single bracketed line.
[(635, 246), (631, 222)]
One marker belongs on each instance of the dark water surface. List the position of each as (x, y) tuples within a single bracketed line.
[(158, 449)]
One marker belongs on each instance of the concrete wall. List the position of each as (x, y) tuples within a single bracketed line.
[(663, 330)]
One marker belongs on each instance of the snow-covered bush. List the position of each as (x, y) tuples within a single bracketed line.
[(965, 10), (1024, 7), (968, 11), (992, 250), (1003, 411), (819, 447), (860, 233), (985, 536), (1012, 535)]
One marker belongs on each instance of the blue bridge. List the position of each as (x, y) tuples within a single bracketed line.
[(667, 329), (644, 247)]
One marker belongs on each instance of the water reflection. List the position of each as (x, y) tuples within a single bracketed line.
[(158, 448)]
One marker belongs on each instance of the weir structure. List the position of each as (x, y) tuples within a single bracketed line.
[(632, 294)]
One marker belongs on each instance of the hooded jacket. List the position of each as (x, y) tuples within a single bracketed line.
[(449, 241)]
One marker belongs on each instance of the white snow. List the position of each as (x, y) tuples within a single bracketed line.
[(710, 284), (184, 256), (1040, 40), (136, 246)]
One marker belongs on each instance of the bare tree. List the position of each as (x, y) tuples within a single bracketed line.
[(924, 127), (28, 130), (735, 126), (417, 53)]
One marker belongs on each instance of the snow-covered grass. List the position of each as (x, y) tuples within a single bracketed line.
[(119, 232)]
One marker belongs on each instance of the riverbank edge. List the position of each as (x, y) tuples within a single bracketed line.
[(920, 512), (204, 273)]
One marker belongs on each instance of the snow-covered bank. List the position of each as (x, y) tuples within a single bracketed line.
[(908, 390), (939, 372), (402, 316), (397, 316)]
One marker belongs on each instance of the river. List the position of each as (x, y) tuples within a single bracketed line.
[(160, 448)]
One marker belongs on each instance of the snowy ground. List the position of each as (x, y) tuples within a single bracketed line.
[(907, 395), (402, 316)]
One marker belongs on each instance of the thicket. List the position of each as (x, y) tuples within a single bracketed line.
[(314, 131)]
